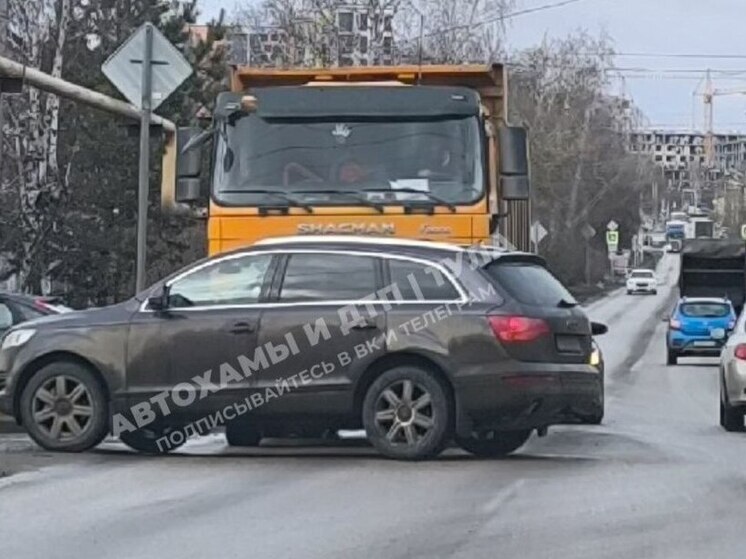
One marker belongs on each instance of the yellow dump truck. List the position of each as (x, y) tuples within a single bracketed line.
[(404, 151)]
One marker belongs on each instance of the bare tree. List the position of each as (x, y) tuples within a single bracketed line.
[(581, 170), (453, 31), (38, 32)]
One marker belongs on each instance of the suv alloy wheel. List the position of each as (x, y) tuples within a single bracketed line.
[(407, 414), (64, 407)]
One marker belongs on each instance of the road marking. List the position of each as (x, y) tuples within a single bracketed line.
[(503, 496)]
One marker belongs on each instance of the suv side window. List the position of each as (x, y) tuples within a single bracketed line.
[(232, 281), (6, 317), (420, 282), (328, 277)]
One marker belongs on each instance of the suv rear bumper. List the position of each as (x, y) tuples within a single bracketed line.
[(533, 395)]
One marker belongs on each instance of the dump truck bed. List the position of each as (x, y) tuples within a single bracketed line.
[(714, 268)]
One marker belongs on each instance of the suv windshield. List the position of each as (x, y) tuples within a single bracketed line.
[(313, 159), (705, 310), (530, 284), (641, 274)]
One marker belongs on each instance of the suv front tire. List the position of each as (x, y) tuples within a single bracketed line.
[(64, 407)]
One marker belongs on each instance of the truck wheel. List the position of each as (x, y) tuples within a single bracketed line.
[(407, 414), (147, 439), (240, 433), (493, 444), (672, 357), (731, 419), (64, 407)]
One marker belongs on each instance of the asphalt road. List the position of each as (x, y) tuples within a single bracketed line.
[(658, 479)]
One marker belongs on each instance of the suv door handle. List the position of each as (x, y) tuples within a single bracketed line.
[(242, 328), (366, 324)]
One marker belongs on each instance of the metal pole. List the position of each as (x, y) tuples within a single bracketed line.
[(144, 180), (74, 92), (588, 262)]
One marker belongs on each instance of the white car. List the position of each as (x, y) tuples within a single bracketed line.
[(733, 378), (642, 281)]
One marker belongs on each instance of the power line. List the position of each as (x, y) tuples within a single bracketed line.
[(726, 56), (493, 19)]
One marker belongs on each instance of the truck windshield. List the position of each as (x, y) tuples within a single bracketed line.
[(322, 162)]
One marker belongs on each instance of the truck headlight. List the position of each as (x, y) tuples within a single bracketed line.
[(16, 338)]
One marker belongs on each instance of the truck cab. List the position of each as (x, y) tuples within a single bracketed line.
[(411, 152)]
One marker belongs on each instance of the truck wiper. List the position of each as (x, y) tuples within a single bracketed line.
[(281, 195), (349, 193), (429, 196)]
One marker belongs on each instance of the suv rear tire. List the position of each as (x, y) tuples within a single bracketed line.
[(240, 433), (407, 414), (64, 407), (493, 444)]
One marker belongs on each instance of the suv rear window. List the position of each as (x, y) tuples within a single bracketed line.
[(705, 310), (641, 274), (529, 283)]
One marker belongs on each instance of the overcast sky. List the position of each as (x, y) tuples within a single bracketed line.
[(703, 27)]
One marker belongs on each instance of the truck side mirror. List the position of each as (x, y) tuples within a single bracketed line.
[(188, 165), (513, 147)]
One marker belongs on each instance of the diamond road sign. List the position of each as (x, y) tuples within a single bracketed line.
[(538, 232), (124, 68), (612, 225)]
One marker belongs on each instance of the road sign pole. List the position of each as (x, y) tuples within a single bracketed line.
[(144, 179)]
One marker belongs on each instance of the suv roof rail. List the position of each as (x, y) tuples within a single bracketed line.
[(357, 239)]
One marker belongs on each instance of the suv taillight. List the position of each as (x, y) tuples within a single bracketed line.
[(740, 352), (518, 328)]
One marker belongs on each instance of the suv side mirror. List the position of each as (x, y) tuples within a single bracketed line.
[(159, 302), (598, 329), (513, 146), (188, 164)]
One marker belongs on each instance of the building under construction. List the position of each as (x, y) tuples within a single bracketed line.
[(683, 157)]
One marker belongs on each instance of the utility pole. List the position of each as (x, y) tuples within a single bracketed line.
[(144, 178)]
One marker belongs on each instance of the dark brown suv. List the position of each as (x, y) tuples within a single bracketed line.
[(418, 343)]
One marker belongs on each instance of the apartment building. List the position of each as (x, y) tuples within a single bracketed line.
[(352, 34), (682, 155)]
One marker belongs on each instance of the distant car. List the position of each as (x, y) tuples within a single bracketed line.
[(642, 281), (16, 308), (699, 326), (732, 377), (674, 246)]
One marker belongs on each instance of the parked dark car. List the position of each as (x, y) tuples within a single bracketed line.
[(16, 308), (418, 343)]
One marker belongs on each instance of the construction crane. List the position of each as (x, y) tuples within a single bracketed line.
[(708, 95)]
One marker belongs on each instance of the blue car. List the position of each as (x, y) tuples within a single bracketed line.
[(699, 326)]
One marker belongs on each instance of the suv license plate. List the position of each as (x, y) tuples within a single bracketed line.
[(704, 343)]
